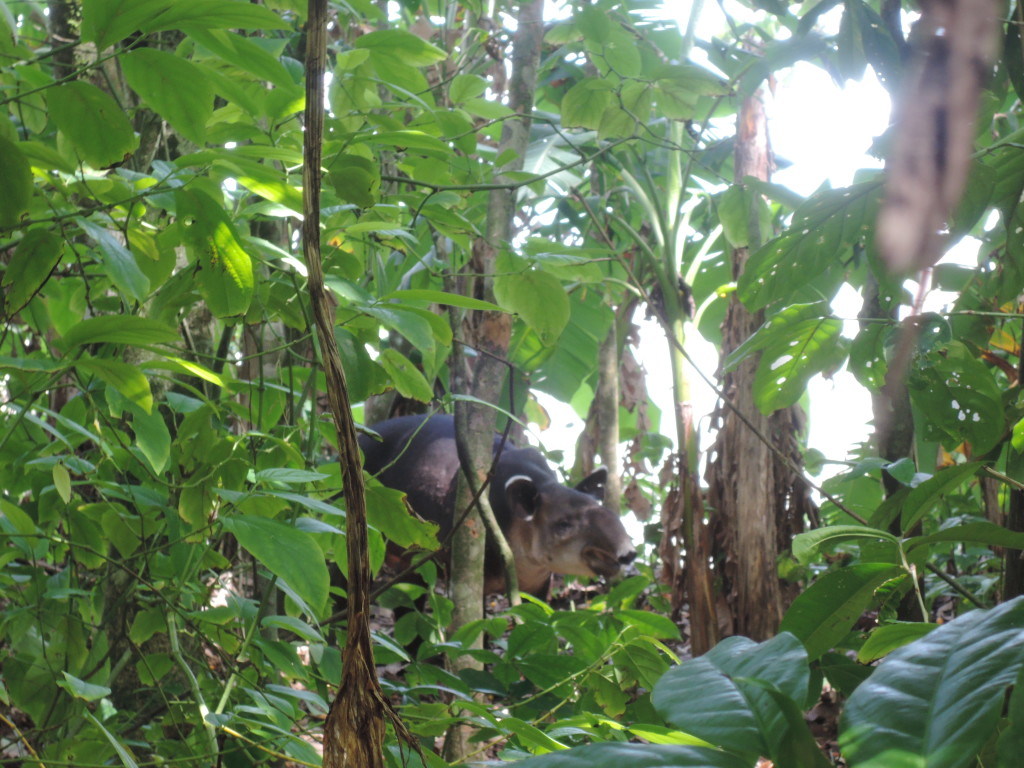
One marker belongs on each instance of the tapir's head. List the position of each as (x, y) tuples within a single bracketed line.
[(565, 530)]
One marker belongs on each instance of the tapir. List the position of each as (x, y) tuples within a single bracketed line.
[(550, 528)]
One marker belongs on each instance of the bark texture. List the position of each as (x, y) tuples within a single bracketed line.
[(354, 731), (758, 500), (488, 333)]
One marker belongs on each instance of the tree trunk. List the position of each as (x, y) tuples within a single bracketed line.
[(755, 495), (489, 334)]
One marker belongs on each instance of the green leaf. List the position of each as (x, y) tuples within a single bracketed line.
[(290, 554), (123, 753), (355, 179), (106, 22), (403, 46), (93, 122), (216, 14), (243, 53), (288, 476), (62, 482), (826, 611), (36, 256), (387, 512), (538, 298), (81, 689), (960, 396), (16, 190), (126, 379), (796, 343), (152, 438), (732, 712), (225, 275), (888, 637), (617, 755), (734, 214), (938, 700), (465, 87), (176, 89), (807, 545), (585, 103), (119, 329), (120, 264), (922, 499), (442, 297), (407, 378), (978, 532), (810, 259)]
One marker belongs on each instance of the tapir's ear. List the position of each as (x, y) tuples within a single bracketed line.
[(594, 484), (522, 496)]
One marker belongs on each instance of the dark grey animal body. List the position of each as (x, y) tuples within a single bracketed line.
[(550, 527)]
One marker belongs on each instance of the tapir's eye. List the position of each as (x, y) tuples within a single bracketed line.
[(563, 526)]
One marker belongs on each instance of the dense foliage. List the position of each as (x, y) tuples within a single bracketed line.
[(169, 499)]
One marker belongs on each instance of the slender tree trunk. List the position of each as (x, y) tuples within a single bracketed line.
[(753, 492), (489, 334)]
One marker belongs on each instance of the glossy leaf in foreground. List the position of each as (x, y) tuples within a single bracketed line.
[(743, 685), (825, 613), (937, 700), (612, 755), (289, 553)]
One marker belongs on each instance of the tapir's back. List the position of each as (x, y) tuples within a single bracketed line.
[(417, 456)]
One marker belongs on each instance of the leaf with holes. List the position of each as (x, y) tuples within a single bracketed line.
[(810, 259), (960, 397), (795, 344)]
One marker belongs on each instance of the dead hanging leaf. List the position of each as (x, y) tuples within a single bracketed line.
[(632, 382), (928, 165), (637, 501)]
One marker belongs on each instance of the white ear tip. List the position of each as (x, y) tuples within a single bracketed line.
[(516, 479)]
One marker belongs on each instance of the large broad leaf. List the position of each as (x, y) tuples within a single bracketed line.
[(937, 701), (16, 190), (119, 329), (225, 275), (825, 613), (959, 398), (243, 53), (290, 554), (922, 499), (105, 22), (742, 684), (126, 379), (795, 344), (977, 532), (92, 122), (538, 298), (402, 46), (178, 90), (811, 257), (614, 755), (37, 254), (585, 103), (387, 512), (807, 545)]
